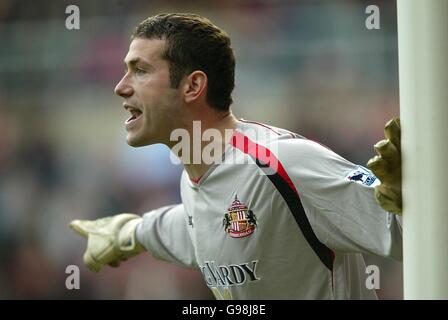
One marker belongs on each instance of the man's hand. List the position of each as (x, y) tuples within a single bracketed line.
[(387, 167), (110, 240)]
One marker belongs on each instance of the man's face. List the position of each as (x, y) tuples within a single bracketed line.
[(155, 108)]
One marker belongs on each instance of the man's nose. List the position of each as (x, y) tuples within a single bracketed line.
[(123, 88)]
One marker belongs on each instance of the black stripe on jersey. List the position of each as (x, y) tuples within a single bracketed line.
[(292, 199), (279, 177)]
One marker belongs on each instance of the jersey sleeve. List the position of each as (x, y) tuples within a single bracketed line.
[(338, 199), (163, 232)]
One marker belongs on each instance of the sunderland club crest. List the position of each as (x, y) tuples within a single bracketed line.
[(239, 221)]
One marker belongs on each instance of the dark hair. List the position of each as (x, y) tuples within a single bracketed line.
[(194, 43)]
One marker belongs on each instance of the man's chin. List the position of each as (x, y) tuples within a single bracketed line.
[(136, 141)]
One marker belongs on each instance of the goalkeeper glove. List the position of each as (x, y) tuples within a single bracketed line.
[(387, 167), (110, 240)]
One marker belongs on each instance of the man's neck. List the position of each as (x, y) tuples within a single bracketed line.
[(199, 161)]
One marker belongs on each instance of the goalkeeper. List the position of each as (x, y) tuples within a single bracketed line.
[(278, 216)]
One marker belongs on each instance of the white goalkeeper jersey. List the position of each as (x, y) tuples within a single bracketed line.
[(282, 217)]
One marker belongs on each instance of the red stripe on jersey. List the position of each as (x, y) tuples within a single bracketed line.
[(243, 143)]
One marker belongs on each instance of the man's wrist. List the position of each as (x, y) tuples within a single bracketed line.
[(127, 237)]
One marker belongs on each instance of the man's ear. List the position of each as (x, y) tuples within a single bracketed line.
[(195, 85)]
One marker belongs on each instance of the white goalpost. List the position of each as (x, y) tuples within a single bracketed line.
[(423, 76)]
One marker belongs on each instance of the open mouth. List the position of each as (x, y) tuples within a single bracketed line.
[(135, 114)]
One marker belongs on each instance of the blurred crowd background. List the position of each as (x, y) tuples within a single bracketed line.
[(309, 66)]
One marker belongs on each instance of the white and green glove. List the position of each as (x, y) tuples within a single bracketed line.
[(387, 167), (110, 240)]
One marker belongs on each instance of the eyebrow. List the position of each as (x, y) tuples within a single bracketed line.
[(134, 61)]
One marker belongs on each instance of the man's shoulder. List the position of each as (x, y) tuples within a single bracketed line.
[(269, 144), (278, 141), (300, 155), (262, 133)]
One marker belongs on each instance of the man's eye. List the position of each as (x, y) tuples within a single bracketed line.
[(140, 71)]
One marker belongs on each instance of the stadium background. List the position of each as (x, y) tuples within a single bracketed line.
[(309, 66)]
